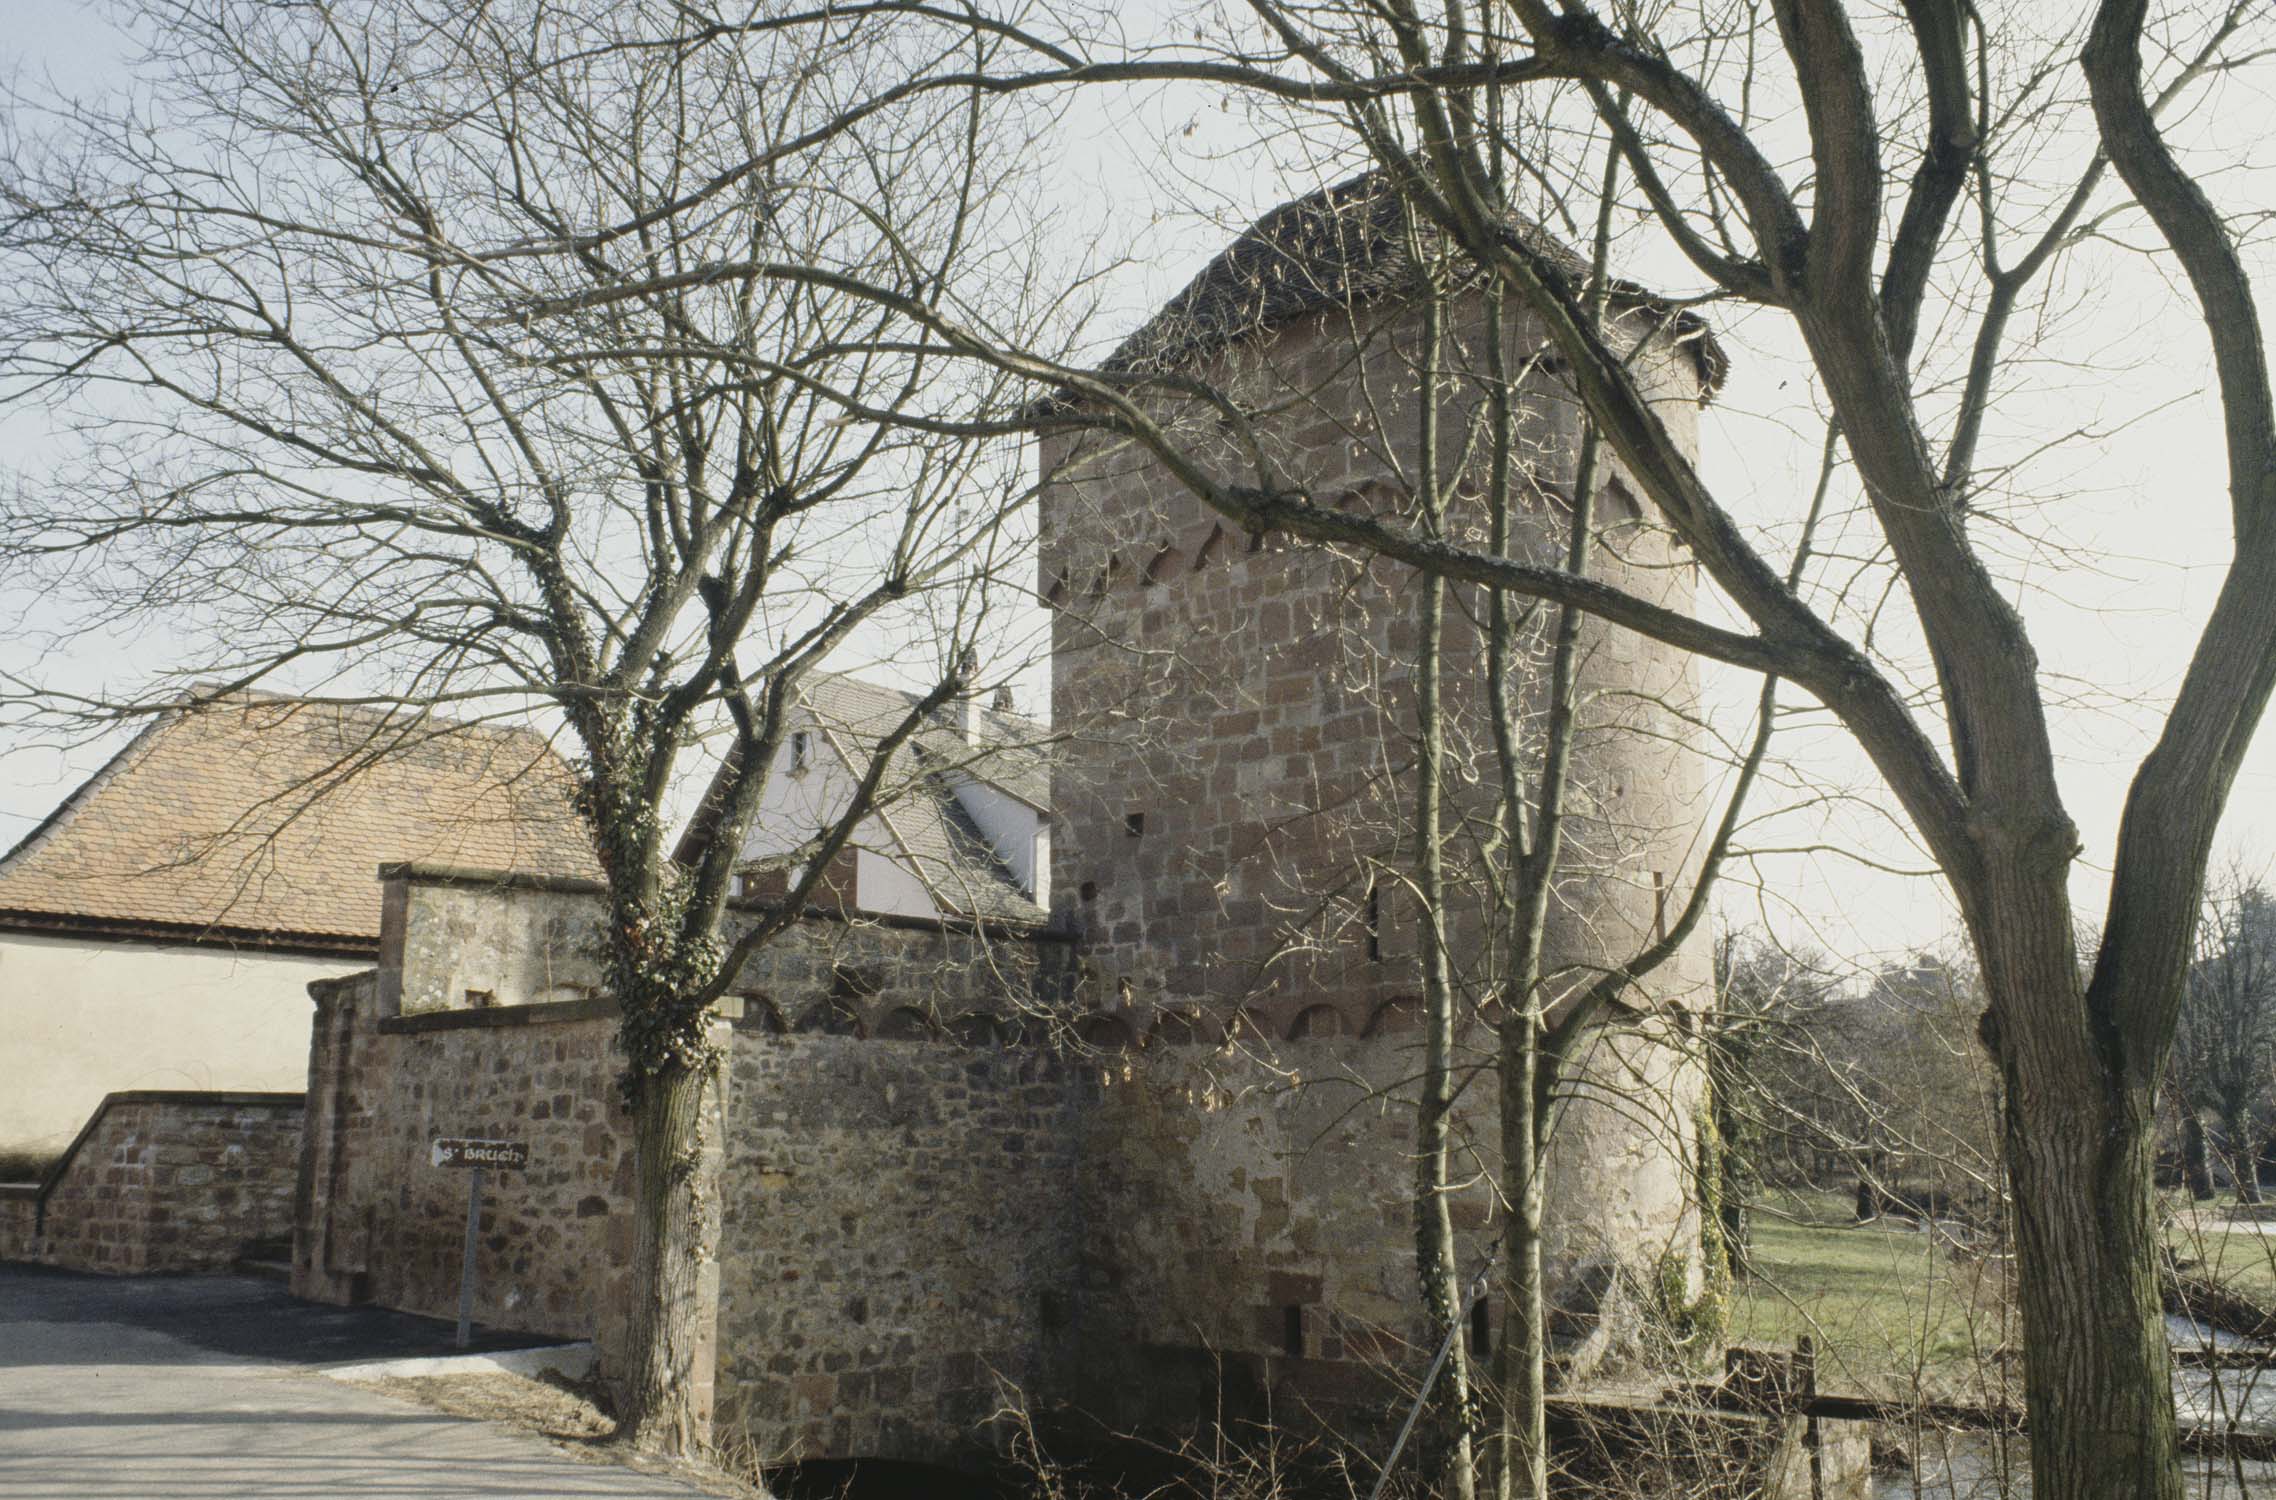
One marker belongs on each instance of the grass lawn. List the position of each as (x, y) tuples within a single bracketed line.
[(1889, 1315), (2240, 1258), (1893, 1315)]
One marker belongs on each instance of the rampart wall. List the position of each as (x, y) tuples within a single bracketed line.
[(376, 1221), (162, 1181), (935, 1193), (900, 1243)]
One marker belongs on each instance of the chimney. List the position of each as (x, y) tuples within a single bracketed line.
[(968, 725), (1002, 702)]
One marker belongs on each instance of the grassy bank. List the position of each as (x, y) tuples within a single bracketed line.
[(2233, 1252), (1889, 1312), (1893, 1312)]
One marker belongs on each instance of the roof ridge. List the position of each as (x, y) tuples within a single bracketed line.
[(912, 698), (1329, 249), (369, 709)]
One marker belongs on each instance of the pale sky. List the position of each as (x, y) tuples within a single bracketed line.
[(2142, 502)]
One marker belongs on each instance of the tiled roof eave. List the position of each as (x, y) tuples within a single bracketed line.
[(193, 934)]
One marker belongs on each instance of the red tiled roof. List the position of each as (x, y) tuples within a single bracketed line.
[(270, 817)]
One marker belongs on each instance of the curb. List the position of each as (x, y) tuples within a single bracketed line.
[(572, 1361)]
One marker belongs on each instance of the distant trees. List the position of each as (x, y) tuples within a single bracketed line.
[(1763, 992), (2224, 1047), (1877, 1084)]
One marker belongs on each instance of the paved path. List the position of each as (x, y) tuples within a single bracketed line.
[(162, 1387)]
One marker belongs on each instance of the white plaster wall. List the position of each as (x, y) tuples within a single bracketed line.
[(798, 804), (80, 1019), (1014, 828), (795, 804), (885, 886)]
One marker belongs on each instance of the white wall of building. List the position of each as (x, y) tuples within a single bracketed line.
[(802, 799), (884, 885), (1017, 830), (798, 801), (82, 1018), (802, 796)]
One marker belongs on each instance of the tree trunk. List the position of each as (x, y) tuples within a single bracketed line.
[(2243, 1165), (663, 1399), (1436, 1265), (2080, 1151), (2196, 1160), (1732, 1212), (1437, 1268), (1525, 1326)]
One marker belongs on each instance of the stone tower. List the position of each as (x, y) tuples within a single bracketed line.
[(1234, 804)]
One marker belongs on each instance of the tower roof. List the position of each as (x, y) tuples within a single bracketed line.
[(1341, 246)]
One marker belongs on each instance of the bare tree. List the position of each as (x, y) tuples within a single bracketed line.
[(276, 295), (1774, 1107), (2224, 1052)]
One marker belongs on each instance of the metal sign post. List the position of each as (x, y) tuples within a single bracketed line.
[(1430, 1376), (455, 1152), (466, 1264)]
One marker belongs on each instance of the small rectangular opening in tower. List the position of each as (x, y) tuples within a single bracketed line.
[(1134, 824), (1292, 1330)]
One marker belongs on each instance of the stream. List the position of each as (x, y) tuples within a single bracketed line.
[(1980, 1466)]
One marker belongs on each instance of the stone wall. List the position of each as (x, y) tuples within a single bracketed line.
[(377, 1221), (469, 940), (163, 1181), (19, 1220), (461, 1031), (1236, 797), (927, 1206), (1248, 1216), (899, 1244)]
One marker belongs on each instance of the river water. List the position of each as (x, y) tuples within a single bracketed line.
[(1977, 1466)]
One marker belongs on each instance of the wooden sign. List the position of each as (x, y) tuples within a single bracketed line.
[(450, 1152)]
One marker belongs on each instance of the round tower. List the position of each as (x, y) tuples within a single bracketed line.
[(1235, 832)]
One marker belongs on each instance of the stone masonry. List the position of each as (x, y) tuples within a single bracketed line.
[(928, 1204), (462, 1031), (1234, 847), (163, 1181)]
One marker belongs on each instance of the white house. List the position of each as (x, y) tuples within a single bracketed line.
[(962, 827)]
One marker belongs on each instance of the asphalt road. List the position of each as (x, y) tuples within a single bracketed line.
[(197, 1387)]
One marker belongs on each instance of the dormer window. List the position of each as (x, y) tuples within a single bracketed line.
[(801, 749)]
